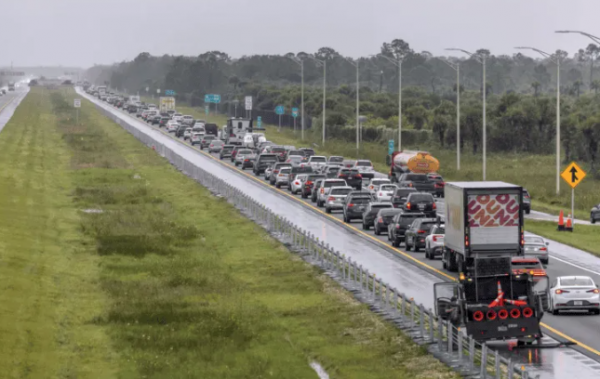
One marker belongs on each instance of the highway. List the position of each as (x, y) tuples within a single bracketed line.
[(9, 102), (376, 254)]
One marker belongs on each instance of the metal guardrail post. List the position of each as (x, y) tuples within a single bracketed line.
[(421, 321), (374, 295), (386, 289), (450, 331), (360, 269), (412, 312), (471, 352), (497, 364), (510, 368), (483, 368), (460, 347), (440, 333), (431, 329)]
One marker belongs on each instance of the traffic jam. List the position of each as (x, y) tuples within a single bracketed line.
[(473, 231)]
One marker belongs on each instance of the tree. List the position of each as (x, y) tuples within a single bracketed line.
[(536, 87), (442, 118), (577, 87), (595, 85), (417, 116), (592, 51)]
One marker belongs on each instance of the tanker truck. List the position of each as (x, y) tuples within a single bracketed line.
[(402, 162)]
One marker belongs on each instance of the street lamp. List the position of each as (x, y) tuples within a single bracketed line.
[(355, 64), (398, 63), (301, 63), (324, 64), (481, 59), (361, 120), (235, 104), (456, 67), (557, 61)]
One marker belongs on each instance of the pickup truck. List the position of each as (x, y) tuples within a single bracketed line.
[(317, 162), (420, 182)]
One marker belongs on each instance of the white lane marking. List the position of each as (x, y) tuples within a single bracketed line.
[(319, 370)]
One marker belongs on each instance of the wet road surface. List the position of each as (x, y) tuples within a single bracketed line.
[(376, 255)]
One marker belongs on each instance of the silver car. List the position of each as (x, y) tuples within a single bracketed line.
[(283, 176), (241, 155), (187, 134), (537, 247), (434, 242), (374, 184), (295, 160), (326, 185), (215, 146), (335, 198), (385, 192), (568, 293)]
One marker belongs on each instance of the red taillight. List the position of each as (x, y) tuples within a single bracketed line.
[(559, 292), (359, 176), (380, 193), (478, 315), (380, 220), (434, 206), (211, 145), (527, 312), (331, 198), (467, 241), (543, 249), (503, 314), (410, 184), (491, 315), (322, 190), (245, 160), (407, 205), (276, 171), (434, 238), (595, 290), (421, 232), (351, 205), (515, 313)]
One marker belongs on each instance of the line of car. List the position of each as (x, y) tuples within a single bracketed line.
[(406, 211)]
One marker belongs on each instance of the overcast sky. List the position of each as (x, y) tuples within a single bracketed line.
[(85, 32)]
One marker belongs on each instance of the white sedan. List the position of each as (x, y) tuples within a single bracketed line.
[(572, 293), (374, 184), (385, 192)]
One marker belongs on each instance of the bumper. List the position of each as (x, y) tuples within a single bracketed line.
[(247, 165), (436, 250), (574, 305), (333, 205)]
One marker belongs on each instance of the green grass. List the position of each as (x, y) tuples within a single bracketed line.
[(167, 281), (584, 237)]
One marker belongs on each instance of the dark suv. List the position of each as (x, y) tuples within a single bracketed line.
[(415, 235), (352, 177), (526, 201), (421, 182), (308, 185), (384, 218), (226, 151), (421, 202), (438, 184), (262, 162), (400, 196), (355, 205), (370, 214), (401, 222)]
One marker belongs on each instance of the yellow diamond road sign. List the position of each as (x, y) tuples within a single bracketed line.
[(573, 174)]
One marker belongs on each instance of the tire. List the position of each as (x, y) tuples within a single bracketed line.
[(427, 253), (528, 211), (416, 248), (592, 220), (346, 219), (376, 231), (327, 210), (406, 245), (553, 310), (277, 185), (395, 243)]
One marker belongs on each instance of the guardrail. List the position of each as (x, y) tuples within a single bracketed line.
[(443, 340)]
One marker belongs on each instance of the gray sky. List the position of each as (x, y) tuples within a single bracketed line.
[(84, 32)]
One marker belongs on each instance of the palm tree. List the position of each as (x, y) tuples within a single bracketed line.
[(577, 87), (536, 87), (595, 85)]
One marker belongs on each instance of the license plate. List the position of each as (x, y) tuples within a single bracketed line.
[(421, 207), (502, 329), (578, 303)]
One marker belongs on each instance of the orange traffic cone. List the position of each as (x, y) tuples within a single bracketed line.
[(561, 221), (569, 227)]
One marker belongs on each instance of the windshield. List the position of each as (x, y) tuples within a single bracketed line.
[(268, 158), (316, 177), (421, 197), (285, 170), (336, 159), (534, 240), (318, 159), (439, 230), (334, 183), (380, 206), (244, 151), (227, 148), (426, 226), (387, 187), (572, 282), (209, 137), (361, 200), (340, 191), (364, 163), (295, 158)]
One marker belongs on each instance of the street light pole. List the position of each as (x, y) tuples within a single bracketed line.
[(355, 64), (398, 63), (324, 64), (481, 59), (557, 61), (456, 67)]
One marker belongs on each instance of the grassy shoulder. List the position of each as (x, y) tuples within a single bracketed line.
[(584, 237), (50, 289), (197, 290)]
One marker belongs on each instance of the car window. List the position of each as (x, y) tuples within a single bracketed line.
[(439, 230), (336, 159), (416, 178), (380, 206), (571, 282), (420, 197), (340, 191), (285, 170), (334, 183), (318, 159), (245, 151), (361, 200), (407, 218), (364, 163), (268, 158), (534, 240), (387, 187)]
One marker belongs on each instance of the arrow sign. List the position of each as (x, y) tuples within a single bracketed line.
[(573, 175)]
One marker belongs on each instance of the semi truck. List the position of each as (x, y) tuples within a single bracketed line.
[(484, 231), (11, 86), (404, 162)]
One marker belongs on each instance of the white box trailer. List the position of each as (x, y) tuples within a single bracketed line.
[(483, 219)]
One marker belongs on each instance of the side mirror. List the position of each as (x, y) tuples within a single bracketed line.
[(547, 243)]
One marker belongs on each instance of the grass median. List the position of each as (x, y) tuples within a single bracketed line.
[(164, 279), (584, 237)]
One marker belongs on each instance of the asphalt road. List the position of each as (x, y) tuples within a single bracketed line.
[(375, 253)]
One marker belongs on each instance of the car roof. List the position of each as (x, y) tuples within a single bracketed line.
[(574, 277)]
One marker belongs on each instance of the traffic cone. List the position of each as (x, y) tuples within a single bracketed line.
[(569, 227), (561, 221)]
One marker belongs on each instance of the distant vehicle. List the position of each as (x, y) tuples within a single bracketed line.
[(307, 186), (163, 121), (385, 192), (326, 185), (569, 293), (297, 184), (595, 214), (331, 171), (438, 184), (308, 152), (355, 205), (527, 265), (335, 160), (215, 146), (526, 206), (241, 154), (399, 163), (187, 134), (262, 162), (374, 184), (419, 181), (352, 177), (294, 160), (434, 243), (212, 129), (414, 237), (317, 162), (365, 167), (383, 219), (421, 202), (226, 151), (336, 197), (206, 140), (537, 247), (282, 177), (275, 170), (401, 222), (196, 137), (370, 213), (187, 120)]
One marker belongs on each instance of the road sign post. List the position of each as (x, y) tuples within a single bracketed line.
[(259, 121), (207, 109), (279, 110), (77, 105), (248, 105), (573, 175), (295, 116)]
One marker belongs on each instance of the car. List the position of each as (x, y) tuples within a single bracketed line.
[(195, 139), (421, 202), (574, 293), (278, 150), (132, 109), (434, 242), (317, 162), (355, 204), (241, 154), (336, 160), (527, 265), (414, 237), (262, 162), (187, 134), (331, 171), (297, 184), (140, 111), (225, 151), (282, 177), (275, 167), (374, 184), (155, 120), (234, 152), (419, 181), (401, 222), (179, 133), (300, 170), (595, 214), (336, 197), (536, 247), (307, 186), (187, 120), (438, 184), (385, 192), (323, 190), (163, 121), (400, 196), (365, 167), (206, 140), (248, 161), (199, 129), (370, 213), (172, 126), (308, 152), (215, 146), (315, 190), (295, 160), (526, 205), (352, 177), (291, 152), (383, 219)]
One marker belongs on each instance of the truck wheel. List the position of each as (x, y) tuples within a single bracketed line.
[(406, 244)]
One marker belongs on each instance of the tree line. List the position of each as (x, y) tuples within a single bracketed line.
[(521, 93)]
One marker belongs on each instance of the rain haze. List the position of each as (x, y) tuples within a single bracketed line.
[(82, 32)]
